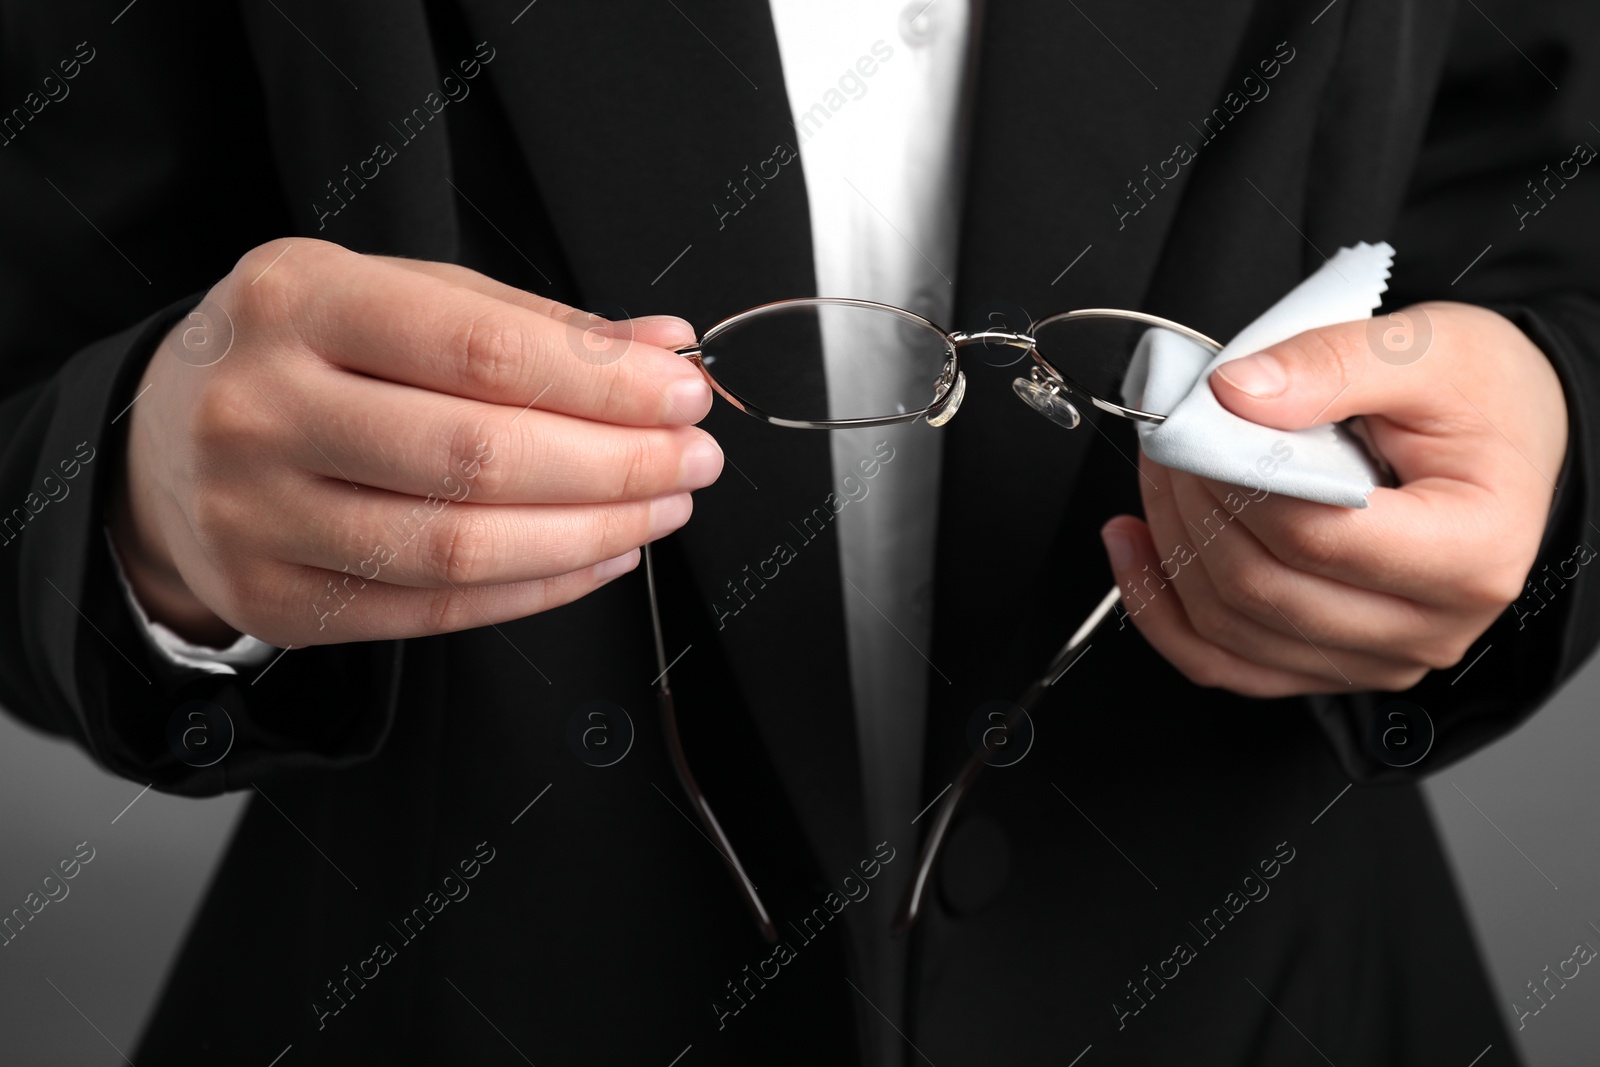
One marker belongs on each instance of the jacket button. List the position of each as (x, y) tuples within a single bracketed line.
[(975, 866)]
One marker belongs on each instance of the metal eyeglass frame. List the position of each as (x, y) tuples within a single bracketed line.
[(1049, 392)]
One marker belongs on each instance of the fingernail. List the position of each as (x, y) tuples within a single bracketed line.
[(666, 331), (1260, 375), (608, 569), (1119, 547), (669, 513), (702, 462), (687, 400)]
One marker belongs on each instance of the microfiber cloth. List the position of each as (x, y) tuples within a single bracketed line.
[(1171, 375)]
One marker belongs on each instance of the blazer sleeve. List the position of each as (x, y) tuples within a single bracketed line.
[(73, 661), (1490, 220)]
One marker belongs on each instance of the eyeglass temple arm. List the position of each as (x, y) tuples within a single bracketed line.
[(686, 779), (911, 903)]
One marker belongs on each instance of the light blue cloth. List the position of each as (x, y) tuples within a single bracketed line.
[(1171, 375)]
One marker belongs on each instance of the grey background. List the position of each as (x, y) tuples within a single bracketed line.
[(85, 972)]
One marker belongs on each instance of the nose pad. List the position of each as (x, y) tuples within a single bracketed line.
[(952, 402), (1045, 397)]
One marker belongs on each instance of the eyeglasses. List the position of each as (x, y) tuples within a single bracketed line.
[(837, 363)]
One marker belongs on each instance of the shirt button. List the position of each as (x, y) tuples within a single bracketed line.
[(919, 22)]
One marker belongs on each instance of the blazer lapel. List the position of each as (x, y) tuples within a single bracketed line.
[(377, 59), (641, 175), (1052, 223)]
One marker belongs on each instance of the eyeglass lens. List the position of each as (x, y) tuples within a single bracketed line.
[(825, 362)]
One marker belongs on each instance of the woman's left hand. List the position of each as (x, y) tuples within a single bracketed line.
[(1294, 597)]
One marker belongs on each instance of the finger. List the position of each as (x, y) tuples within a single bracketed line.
[(1162, 622), (328, 607), (603, 337), (1326, 612), (1176, 554), (467, 278), (1333, 373), (1184, 549), (400, 540), (1426, 395), (1178, 575), (1465, 564), (411, 441), (1228, 608), (404, 326)]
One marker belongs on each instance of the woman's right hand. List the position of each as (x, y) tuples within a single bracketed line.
[(340, 447)]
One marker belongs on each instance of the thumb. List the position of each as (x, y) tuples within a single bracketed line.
[(1366, 367)]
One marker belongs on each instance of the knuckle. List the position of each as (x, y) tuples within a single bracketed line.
[(273, 289), (221, 416), (1497, 588), (458, 550), (245, 596), (1440, 654), (1260, 688), (254, 261), (636, 467), (1235, 594), (1340, 349), (1212, 620), (491, 349), (615, 393), (1399, 679), (446, 612), (1449, 643), (1310, 547), (1224, 620), (473, 444), (482, 479), (1209, 672), (270, 276), (301, 606), (215, 514), (619, 528)]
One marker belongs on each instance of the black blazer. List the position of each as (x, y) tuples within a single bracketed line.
[(590, 149)]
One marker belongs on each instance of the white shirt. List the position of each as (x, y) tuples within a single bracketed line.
[(882, 181), (883, 178)]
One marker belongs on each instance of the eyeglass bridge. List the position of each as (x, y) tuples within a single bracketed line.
[(1042, 390), (1005, 337)]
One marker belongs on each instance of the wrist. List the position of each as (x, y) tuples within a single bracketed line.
[(147, 562), (156, 583)]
